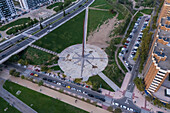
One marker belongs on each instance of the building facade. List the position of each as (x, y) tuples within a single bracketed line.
[(157, 68), (31, 4), (7, 9)]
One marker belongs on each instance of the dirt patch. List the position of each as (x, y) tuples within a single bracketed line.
[(100, 37)]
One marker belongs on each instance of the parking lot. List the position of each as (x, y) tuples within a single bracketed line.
[(133, 42)]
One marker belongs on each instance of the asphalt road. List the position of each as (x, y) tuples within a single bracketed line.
[(9, 45), (83, 89)]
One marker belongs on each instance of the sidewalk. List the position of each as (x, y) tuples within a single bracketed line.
[(62, 97), (119, 94), (141, 102)]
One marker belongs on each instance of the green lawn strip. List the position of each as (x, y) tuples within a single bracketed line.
[(17, 22), (55, 68), (97, 18), (35, 56), (147, 11), (41, 103), (120, 16), (98, 2), (133, 23), (4, 104), (66, 35), (100, 82), (54, 5), (112, 71), (105, 6), (120, 62)]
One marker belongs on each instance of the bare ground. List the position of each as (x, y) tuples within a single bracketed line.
[(100, 36)]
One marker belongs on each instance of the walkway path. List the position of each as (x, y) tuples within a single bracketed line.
[(18, 104), (118, 46), (109, 82), (98, 9), (43, 49), (62, 97)]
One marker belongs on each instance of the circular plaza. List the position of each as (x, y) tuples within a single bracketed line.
[(78, 64)]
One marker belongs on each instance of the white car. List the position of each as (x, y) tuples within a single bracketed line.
[(128, 109), (129, 39), (116, 104), (121, 106), (58, 83), (124, 107), (131, 109), (73, 88)]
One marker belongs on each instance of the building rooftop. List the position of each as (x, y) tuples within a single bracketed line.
[(166, 52)]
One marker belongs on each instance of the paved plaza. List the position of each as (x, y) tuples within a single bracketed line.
[(74, 65)]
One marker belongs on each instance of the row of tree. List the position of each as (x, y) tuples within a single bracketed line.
[(13, 72), (139, 83), (16, 29), (157, 102)]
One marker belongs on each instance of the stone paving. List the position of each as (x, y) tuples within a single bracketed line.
[(94, 61)]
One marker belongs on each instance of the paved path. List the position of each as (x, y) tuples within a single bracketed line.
[(109, 82), (93, 8), (62, 97), (22, 107), (43, 49)]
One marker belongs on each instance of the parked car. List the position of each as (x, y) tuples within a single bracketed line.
[(44, 78), (36, 75), (31, 74)]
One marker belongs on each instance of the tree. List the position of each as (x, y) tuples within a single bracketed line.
[(64, 13), (16, 74), (89, 83), (22, 77), (77, 80), (12, 71), (64, 76), (117, 110), (44, 68), (139, 83), (95, 86), (21, 61), (110, 108), (149, 98), (40, 83)]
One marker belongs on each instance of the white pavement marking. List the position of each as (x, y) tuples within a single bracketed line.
[(109, 82), (43, 49), (30, 36)]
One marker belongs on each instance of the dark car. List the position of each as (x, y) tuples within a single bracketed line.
[(63, 85), (49, 80), (102, 99), (44, 78), (90, 95)]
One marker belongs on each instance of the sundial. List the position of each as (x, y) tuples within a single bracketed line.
[(82, 60)]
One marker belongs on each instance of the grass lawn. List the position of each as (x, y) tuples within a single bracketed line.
[(55, 68), (17, 22), (100, 81), (4, 104), (105, 6), (97, 18), (98, 2), (35, 56), (54, 5), (66, 35), (41, 103), (112, 71), (147, 11)]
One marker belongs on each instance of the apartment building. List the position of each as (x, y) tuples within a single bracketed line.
[(7, 9), (157, 68), (31, 4)]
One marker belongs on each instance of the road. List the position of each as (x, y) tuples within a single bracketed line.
[(22, 107), (9, 46), (83, 89)]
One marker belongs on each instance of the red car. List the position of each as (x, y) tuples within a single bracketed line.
[(31, 74), (37, 70)]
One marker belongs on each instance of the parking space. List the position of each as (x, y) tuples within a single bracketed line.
[(133, 42)]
